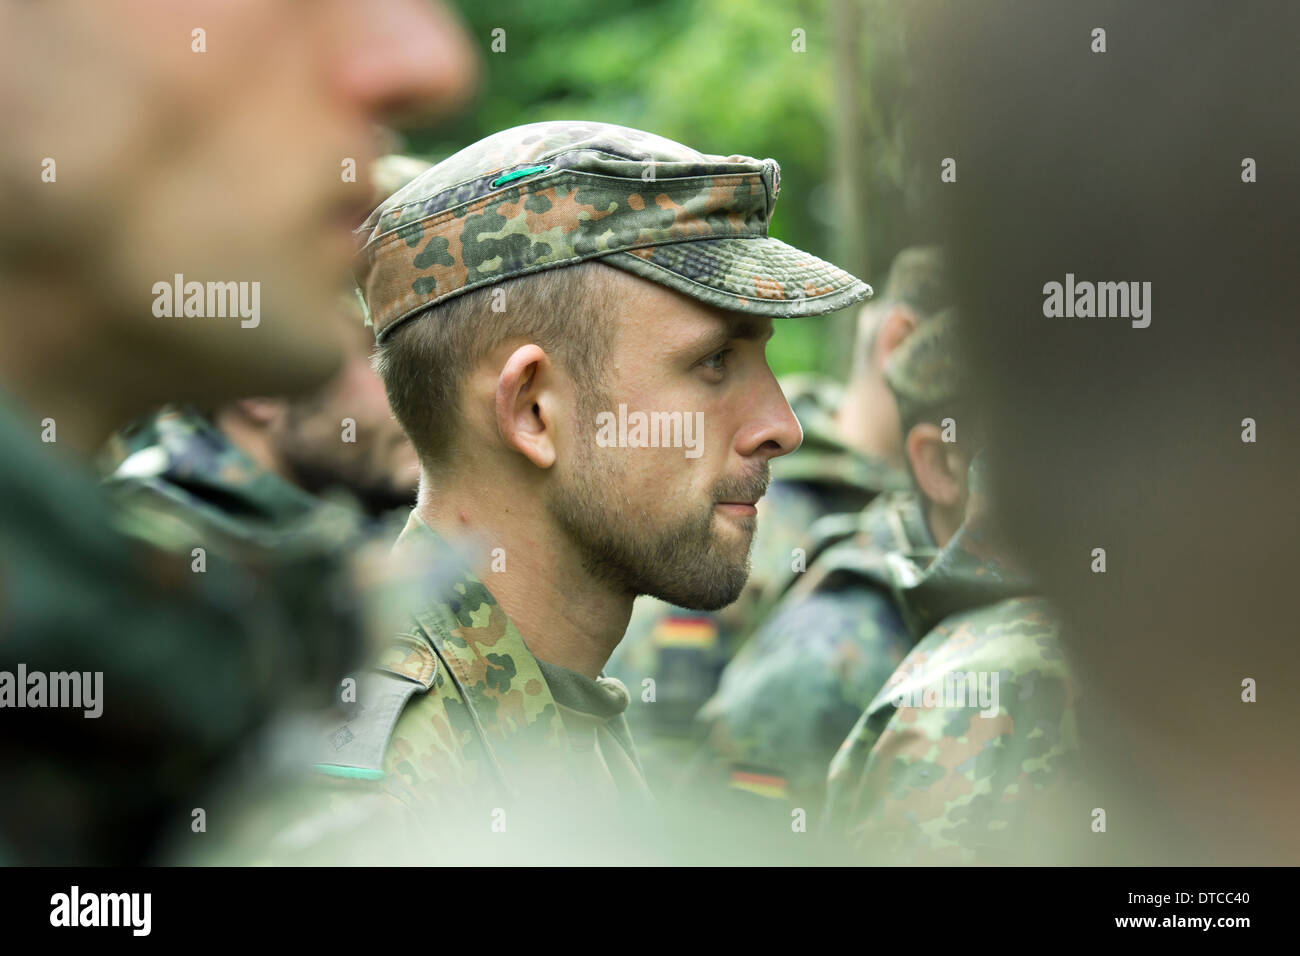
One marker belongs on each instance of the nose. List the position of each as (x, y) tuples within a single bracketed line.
[(772, 430), (406, 62)]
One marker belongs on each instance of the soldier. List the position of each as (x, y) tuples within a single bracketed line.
[(851, 452), (596, 301), (972, 742), (1147, 463), (796, 689), (276, 474), (168, 147)]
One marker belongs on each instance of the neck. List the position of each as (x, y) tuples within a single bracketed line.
[(565, 615), (943, 523), (868, 420)]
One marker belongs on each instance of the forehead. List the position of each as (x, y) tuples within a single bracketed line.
[(651, 314)]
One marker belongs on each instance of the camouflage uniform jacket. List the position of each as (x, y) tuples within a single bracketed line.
[(930, 772), (685, 651), (192, 666), (174, 474), (787, 700), (458, 714)]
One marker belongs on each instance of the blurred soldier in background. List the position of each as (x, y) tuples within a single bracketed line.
[(973, 741), (975, 729), (797, 687), (197, 142), (1144, 465), (851, 452)]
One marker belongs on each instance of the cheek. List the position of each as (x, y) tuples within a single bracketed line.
[(668, 482)]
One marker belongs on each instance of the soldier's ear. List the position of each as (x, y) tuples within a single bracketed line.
[(526, 406), (939, 469), (899, 322)]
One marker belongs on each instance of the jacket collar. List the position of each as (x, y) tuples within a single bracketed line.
[(499, 680), (970, 571)]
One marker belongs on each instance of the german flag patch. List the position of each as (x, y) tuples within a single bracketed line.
[(759, 782), (698, 632)]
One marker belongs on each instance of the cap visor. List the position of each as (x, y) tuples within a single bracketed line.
[(763, 276)]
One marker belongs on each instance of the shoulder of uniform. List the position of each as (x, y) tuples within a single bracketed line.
[(1014, 634), (406, 667)]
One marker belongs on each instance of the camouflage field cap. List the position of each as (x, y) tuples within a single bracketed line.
[(553, 194), (922, 372)]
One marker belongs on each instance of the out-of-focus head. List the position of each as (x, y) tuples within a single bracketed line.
[(940, 433), (916, 290), (344, 435), (579, 311), (215, 140)]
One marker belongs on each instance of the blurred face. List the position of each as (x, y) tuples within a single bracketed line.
[(378, 465), (675, 521), (226, 165)]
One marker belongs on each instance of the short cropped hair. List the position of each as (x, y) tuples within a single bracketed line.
[(424, 362)]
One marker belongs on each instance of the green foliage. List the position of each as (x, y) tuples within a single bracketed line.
[(719, 75)]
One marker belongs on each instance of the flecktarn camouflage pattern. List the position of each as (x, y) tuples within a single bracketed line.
[(918, 279), (973, 740), (177, 477), (795, 690), (456, 718), (923, 372), (552, 194)]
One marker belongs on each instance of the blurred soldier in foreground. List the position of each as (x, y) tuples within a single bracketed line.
[(973, 735), (260, 470), (277, 474), (794, 692), (154, 156), (595, 432), (851, 452)]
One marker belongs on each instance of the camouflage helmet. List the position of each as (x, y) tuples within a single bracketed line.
[(553, 194), (923, 372)]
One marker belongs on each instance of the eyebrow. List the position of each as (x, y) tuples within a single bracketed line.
[(740, 328)]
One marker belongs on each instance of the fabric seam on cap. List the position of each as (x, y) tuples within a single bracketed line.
[(373, 246), (540, 159), (735, 295), (541, 267)]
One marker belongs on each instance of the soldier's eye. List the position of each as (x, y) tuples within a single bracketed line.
[(715, 361)]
